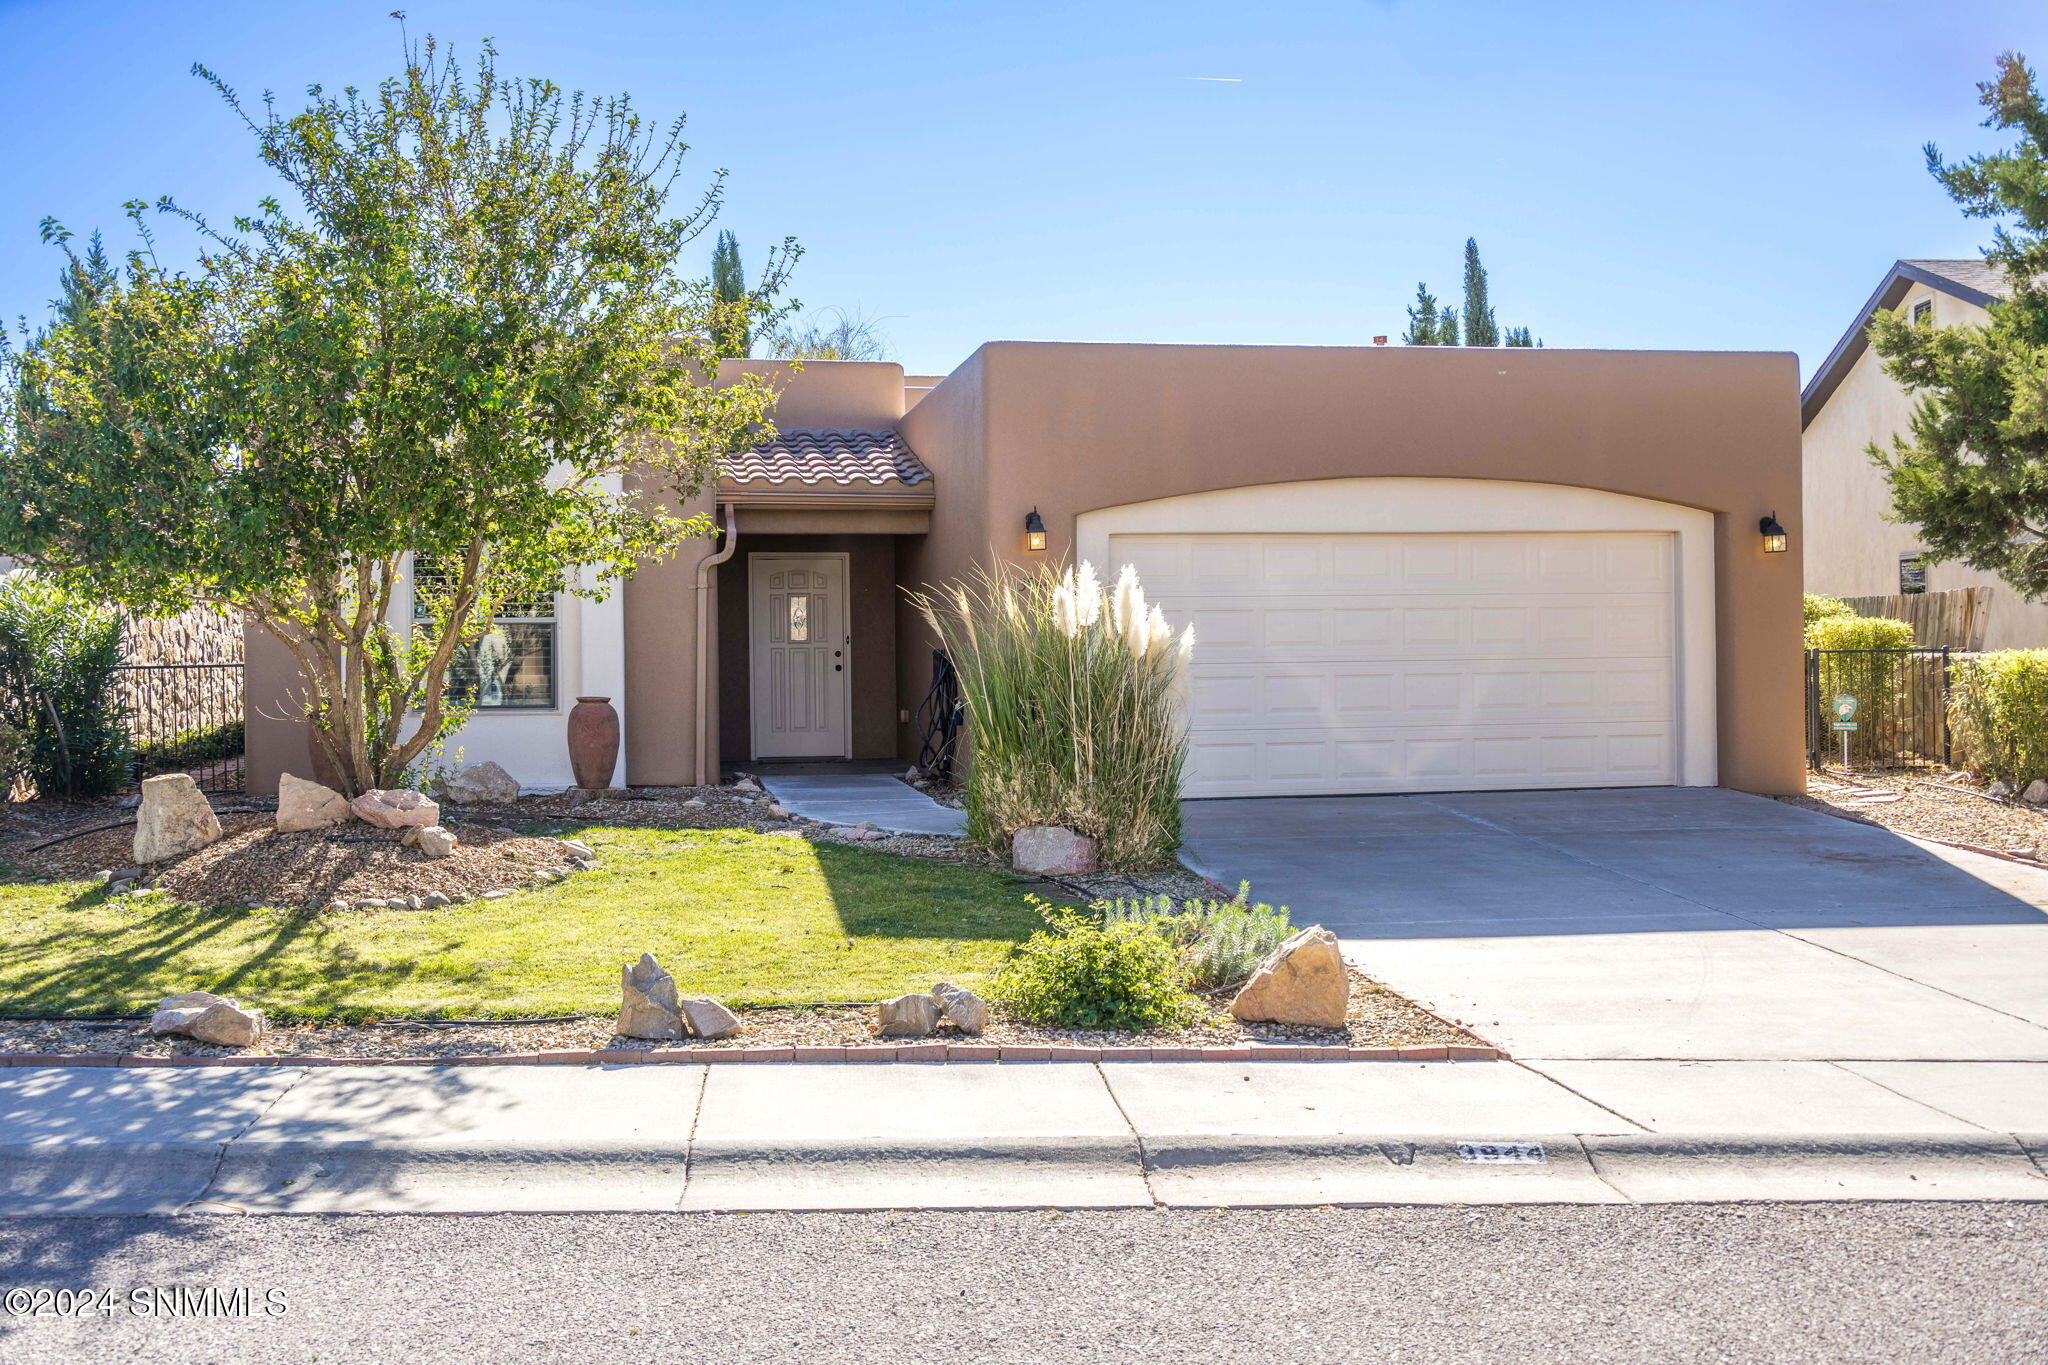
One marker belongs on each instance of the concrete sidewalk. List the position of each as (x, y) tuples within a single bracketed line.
[(853, 798), (703, 1137)]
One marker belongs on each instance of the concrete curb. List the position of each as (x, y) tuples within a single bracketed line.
[(1500, 1167), (908, 1052)]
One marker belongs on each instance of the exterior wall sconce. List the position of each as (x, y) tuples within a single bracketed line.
[(1775, 539), (1034, 531)]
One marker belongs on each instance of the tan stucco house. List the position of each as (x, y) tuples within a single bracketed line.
[(1409, 569), (1852, 548)]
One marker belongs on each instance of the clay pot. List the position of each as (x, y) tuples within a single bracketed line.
[(593, 741)]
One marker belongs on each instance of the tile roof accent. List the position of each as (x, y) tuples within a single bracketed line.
[(879, 459)]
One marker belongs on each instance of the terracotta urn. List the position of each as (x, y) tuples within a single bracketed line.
[(593, 741)]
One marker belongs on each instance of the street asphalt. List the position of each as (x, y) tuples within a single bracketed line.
[(1813, 1282)]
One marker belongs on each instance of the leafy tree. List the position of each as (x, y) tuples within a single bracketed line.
[(1971, 472), (1480, 328), (466, 322)]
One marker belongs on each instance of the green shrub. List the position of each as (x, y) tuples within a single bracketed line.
[(1820, 608), (1998, 713), (189, 748), (1071, 698), (1079, 973), (1876, 675), (1221, 942), (1859, 632), (58, 653), (13, 756)]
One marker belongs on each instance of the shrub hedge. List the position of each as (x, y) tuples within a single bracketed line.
[(1998, 714)]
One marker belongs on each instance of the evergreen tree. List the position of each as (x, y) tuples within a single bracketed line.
[(732, 323), (1423, 325), (1519, 336), (1972, 480), (1447, 329), (1480, 328)]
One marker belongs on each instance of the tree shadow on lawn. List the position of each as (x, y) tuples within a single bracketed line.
[(294, 958)]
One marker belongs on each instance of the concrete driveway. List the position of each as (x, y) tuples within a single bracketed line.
[(1659, 923)]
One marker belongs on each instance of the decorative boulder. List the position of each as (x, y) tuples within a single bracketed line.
[(399, 809), (1303, 981), (907, 1016), (173, 819), (1055, 849), (963, 1009), (2036, 792), (208, 1018), (1999, 789), (304, 805), (435, 842), (481, 784), (650, 1008), (709, 1019)]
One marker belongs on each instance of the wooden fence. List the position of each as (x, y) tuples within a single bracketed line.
[(1954, 618)]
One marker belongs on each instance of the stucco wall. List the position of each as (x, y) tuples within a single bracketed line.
[(1852, 547), (1074, 428)]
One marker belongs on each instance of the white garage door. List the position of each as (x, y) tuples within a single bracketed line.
[(1329, 664)]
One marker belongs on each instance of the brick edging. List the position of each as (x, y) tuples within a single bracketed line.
[(914, 1052)]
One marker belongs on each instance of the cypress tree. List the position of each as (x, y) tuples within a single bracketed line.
[(1480, 328), (1422, 319), (731, 332), (1447, 329)]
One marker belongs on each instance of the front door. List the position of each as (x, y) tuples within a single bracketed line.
[(799, 655)]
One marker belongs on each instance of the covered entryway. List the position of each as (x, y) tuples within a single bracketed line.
[(1505, 636)]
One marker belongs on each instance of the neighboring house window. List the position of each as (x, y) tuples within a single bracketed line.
[(1912, 574), (1923, 312), (512, 666)]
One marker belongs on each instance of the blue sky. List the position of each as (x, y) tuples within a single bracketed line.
[(1705, 175)]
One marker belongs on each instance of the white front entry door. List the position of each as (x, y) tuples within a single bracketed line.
[(799, 655), (1337, 664)]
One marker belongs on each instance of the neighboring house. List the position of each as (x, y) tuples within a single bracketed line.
[(1409, 569), (1852, 547)]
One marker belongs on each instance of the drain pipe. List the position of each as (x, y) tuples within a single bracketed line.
[(707, 760)]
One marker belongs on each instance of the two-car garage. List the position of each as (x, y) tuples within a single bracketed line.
[(1390, 635)]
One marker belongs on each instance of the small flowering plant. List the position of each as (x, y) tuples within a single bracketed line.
[(1072, 695)]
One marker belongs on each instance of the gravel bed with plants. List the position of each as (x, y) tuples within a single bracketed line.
[(1378, 1017), (1933, 805)]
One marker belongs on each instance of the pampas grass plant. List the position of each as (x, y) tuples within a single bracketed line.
[(1071, 692)]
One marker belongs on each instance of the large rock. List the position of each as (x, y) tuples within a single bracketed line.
[(210, 1018), (173, 819), (1303, 981), (435, 842), (963, 1009), (1053, 849), (402, 808), (481, 784), (709, 1019), (2036, 792), (907, 1016), (304, 805), (650, 1008)]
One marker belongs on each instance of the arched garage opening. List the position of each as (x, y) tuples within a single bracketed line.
[(1410, 635)]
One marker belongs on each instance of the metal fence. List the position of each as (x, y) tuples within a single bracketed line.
[(185, 718), (939, 719), (1900, 713)]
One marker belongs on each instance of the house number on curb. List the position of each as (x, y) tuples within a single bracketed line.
[(1516, 1153)]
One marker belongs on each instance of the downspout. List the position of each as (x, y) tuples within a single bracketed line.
[(707, 762)]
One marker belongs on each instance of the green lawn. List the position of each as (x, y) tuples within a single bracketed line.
[(746, 918)]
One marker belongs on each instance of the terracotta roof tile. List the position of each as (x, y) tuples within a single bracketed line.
[(876, 458)]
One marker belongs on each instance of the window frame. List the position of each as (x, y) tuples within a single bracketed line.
[(553, 622), (1923, 313)]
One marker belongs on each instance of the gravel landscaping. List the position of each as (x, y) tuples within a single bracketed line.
[(1933, 807), (1378, 1018)]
